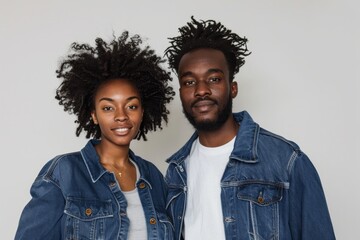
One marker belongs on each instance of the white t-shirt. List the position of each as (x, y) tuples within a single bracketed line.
[(205, 167), (135, 213)]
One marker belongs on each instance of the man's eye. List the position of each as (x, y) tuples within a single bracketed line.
[(214, 79), (189, 83)]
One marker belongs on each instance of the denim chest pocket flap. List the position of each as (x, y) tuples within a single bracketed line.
[(261, 193), (88, 210)]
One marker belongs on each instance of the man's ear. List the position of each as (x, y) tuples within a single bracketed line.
[(233, 89)]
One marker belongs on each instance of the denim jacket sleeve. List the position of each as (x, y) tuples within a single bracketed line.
[(309, 215), (41, 217)]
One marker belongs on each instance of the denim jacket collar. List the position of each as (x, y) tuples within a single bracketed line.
[(245, 142), (96, 170)]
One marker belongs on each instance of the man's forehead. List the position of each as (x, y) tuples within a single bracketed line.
[(204, 59)]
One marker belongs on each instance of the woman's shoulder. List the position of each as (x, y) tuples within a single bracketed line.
[(66, 160)]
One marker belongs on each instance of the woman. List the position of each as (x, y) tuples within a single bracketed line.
[(118, 92)]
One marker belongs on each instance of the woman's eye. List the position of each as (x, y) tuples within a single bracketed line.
[(107, 108), (133, 107)]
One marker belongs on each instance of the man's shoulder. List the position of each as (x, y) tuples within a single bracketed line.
[(271, 137), (265, 136)]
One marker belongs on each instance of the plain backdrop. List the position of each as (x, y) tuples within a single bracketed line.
[(301, 81)]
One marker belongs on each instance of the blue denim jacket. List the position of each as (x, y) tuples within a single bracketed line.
[(74, 197), (269, 189)]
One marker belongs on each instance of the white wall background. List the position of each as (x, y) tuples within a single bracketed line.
[(301, 81)]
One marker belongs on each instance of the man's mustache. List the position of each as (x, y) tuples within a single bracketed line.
[(200, 99)]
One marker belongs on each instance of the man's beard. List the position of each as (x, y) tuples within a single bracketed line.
[(211, 125)]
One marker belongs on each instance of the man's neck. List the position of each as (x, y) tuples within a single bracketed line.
[(220, 136)]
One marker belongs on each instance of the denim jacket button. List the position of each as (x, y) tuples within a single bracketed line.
[(260, 200), (112, 184), (142, 185), (88, 211), (152, 221)]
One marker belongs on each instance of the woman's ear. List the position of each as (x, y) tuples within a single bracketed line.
[(93, 116)]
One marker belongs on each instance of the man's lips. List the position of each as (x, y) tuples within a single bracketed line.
[(203, 105), (204, 102)]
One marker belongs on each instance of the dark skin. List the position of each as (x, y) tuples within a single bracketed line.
[(205, 88), (119, 112)]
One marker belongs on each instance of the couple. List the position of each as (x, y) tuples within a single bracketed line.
[(231, 180)]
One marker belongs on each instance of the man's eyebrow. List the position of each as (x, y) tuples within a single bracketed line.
[(185, 74), (210, 70), (215, 70)]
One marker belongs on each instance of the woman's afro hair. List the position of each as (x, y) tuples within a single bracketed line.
[(208, 34), (86, 68)]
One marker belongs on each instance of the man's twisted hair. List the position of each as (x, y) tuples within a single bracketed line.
[(87, 67), (208, 34)]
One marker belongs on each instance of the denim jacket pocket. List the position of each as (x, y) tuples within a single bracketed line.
[(86, 218), (261, 201), (166, 225), (261, 193)]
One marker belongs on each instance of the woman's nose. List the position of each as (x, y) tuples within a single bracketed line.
[(120, 115)]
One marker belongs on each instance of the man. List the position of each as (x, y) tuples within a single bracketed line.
[(233, 179)]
